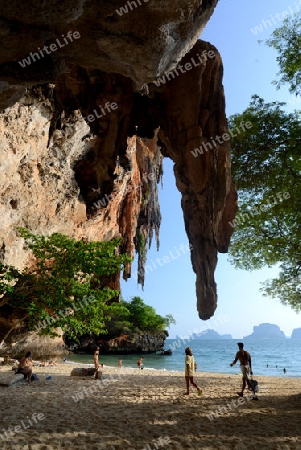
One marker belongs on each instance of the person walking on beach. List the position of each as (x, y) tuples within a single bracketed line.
[(244, 358), (119, 363), (189, 371)]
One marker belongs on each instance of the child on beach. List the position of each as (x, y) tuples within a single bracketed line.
[(140, 363), (96, 363), (189, 371)]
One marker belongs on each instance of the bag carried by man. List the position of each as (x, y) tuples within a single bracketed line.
[(254, 385)]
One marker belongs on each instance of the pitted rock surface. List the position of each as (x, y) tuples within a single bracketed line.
[(73, 163)]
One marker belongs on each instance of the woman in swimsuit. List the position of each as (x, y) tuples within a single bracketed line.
[(25, 366)]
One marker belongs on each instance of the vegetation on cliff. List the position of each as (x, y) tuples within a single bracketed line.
[(266, 167), (68, 287), (65, 287), (137, 317)]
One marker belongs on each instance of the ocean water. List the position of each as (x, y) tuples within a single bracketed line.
[(216, 356)]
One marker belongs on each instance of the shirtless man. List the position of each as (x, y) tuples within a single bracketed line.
[(244, 358)]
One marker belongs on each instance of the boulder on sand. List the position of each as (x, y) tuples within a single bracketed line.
[(9, 378), (84, 372)]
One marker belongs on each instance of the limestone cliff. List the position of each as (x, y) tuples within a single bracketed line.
[(296, 333), (266, 331), (84, 127), (121, 345)]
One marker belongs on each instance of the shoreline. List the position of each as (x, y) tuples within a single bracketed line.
[(234, 372), (282, 376), (146, 410)]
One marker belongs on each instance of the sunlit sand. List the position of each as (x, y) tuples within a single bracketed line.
[(146, 410)]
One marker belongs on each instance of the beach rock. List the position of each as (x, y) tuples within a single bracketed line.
[(166, 352), (9, 378), (83, 372), (20, 341)]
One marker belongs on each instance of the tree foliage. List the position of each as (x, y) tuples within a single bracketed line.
[(266, 162), (145, 318), (65, 287), (138, 317), (286, 40), (266, 167)]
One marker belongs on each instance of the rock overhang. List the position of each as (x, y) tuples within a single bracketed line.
[(117, 53)]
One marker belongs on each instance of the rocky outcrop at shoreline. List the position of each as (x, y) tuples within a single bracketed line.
[(121, 345)]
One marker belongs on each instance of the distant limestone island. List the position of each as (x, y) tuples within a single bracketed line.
[(296, 334), (261, 331), (266, 331), (271, 331), (209, 334)]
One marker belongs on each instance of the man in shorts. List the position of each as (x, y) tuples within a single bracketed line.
[(244, 358)]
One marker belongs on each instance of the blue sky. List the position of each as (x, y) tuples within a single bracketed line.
[(249, 68)]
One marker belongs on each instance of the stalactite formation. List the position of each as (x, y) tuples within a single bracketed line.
[(84, 129)]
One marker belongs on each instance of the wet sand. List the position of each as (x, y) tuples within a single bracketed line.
[(146, 410)]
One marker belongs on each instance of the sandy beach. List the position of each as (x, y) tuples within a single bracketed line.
[(146, 410)]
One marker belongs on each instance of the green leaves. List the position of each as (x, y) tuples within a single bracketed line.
[(286, 40), (67, 287), (145, 318), (266, 167), (137, 317), (287, 286)]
